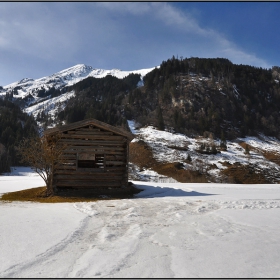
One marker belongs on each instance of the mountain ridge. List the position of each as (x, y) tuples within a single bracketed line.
[(33, 88), (78, 70)]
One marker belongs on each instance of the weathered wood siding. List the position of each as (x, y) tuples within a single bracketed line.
[(94, 158)]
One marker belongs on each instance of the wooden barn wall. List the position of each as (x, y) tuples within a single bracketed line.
[(89, 146)]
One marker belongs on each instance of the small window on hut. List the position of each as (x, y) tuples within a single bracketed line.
[(86, 160)]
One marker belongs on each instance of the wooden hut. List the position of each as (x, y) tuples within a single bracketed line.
[(95, 157)]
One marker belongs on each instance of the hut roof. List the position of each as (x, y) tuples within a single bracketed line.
[(87, 122)]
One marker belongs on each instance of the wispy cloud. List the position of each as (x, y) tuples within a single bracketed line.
[(48, 36), (214, 43)]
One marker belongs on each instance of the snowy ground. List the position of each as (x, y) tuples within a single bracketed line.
[(168, 230)]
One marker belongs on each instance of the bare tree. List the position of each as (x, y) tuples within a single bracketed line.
[(43, 154)]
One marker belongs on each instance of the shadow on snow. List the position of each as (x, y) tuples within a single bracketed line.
[(162, 191)]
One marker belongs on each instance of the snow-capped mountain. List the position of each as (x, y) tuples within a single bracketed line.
[(50, 94), (33, 91)]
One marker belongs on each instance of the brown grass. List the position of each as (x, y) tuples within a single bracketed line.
[(243, 145), (39, 195), (141, 154), (241, 174), (274, 157), (174, 171)]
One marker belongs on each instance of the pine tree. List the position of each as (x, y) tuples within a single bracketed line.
[(160, 122), (223, 143), (247, 149), (214, 149)]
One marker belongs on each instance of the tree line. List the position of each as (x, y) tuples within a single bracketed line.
[(14, 126)]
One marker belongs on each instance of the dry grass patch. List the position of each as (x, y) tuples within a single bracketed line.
[(39, 195), (141, 154), (251, 148), (175, 171), (274, 157), (244, 174)]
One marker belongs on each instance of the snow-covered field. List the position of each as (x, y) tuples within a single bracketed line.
[(168, 230)]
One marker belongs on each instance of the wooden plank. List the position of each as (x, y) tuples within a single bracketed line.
[(63, 167), (95, 137), (73, 154), (69, 156), (88, 129), (67, 162), (125, 180), (92, 177), (104, 150), (92, 142), (81, 189), (88, 184), (90, 132), (111, 177), (97, 150), (107, 170), (110, 162), (115, 157)]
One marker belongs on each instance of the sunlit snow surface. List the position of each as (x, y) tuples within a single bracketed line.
[(167, 230)]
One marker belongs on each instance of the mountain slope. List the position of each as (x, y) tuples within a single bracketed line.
[(28, 91), (47, 96), (208, 101), (201, 96), (157, 155), (66, 77)]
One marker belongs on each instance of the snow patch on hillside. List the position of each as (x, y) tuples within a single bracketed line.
[(175, 147), (50, 106)]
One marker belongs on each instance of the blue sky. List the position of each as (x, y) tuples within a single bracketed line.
[(41, 38)]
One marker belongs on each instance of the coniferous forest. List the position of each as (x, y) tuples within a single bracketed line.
[(14, 126)]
